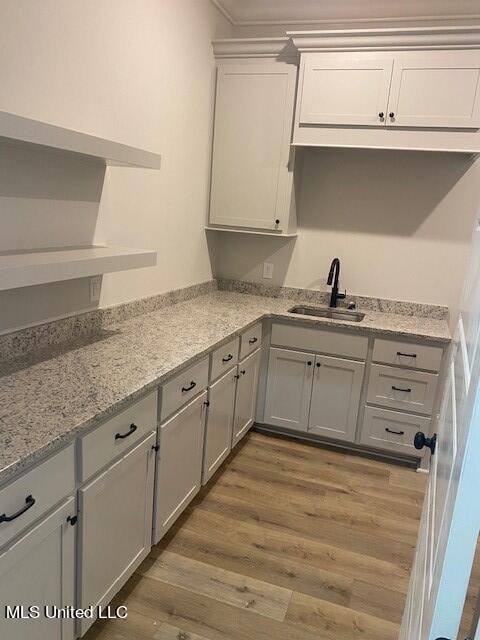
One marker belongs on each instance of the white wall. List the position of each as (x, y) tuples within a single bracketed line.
[(400, 222), (138, 72)]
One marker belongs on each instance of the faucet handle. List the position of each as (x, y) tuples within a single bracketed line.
[(342, 296)]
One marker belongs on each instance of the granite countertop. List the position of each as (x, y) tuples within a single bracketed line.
[(50, 397)]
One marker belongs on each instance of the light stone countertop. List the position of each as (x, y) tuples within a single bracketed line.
[(49, 398)]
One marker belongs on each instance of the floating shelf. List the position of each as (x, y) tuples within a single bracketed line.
[(271, 234), (24, 269), (26, 130)]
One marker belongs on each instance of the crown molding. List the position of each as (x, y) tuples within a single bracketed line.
[(223, 11), (448, 37), (277, 48), (473, 18)]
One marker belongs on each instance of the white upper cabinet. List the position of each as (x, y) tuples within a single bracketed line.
[(435, 89), (402, 88), (344, 88), (252, 173)]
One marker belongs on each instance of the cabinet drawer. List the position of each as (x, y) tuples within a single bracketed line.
[(183, 387), (224, 358), (251, 339), (117, 434), (402, 389), (393, 430), (414, 356), (36, 492), (312, 339)]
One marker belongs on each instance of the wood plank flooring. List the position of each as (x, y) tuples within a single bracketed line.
[(287, 542)]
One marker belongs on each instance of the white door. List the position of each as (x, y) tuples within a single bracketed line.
[(337, 384), (289, 388), (115, 525), (246, 395), (251, 181), (435, 89), (344, 88), (449, 534), (38, 570), (179, 472), (218, 432)]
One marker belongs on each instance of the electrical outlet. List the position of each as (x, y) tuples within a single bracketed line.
[(95, 288), (268, 270)]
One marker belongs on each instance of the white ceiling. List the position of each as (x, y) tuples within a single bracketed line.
[(248, 12)]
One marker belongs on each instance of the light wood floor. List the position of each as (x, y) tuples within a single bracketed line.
[(288, 542)]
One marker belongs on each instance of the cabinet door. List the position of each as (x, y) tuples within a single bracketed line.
[(344, 88), (435, 89), (246, 396), (335, 397), (251, 180), (179, 473), (115, 525), (218, 432), (37, 571), (289, 388)]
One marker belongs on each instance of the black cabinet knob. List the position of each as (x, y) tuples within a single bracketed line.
[(309, 363), (391, 114), (421, 441), (277, 221), (381, 115)]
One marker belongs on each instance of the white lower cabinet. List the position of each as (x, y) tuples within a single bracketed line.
[(246, 395), (289, 388), (115, 525), (218, 432), (337, 384), (318, 394), (179, 472), (38, 570)]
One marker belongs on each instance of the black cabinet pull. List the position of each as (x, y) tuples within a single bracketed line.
[(397, 433), (400, 389), (252, 340), (192, 386), (406, 355), (121, 436), (228, 358), (29, 502)]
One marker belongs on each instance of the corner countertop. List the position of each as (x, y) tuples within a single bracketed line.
[(49, 398)]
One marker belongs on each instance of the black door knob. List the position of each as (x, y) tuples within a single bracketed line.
[(421, 441)]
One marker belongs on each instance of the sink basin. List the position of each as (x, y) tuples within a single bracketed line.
[(327, 312)]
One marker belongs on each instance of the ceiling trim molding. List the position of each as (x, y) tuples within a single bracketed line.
[(223, 11), (278, 48), (467, 37), (473, 18)]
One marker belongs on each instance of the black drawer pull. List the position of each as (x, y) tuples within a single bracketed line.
[(228, 358), (29, 502), (192, 386), (400, 389), (252, 340), (121, 436), (406, 355), (397, 433)]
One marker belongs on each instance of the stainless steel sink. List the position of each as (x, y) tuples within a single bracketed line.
[(327, 312)]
